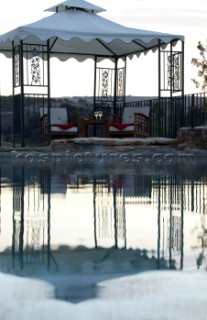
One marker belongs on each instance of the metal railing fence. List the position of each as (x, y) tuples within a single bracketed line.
[(167, 114)]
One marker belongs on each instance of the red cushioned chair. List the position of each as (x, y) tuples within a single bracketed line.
[(61, 126), (135, 123)]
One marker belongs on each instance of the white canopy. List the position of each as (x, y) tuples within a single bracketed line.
[(76, 29)]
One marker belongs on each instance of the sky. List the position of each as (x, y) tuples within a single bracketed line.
[(188, 18)]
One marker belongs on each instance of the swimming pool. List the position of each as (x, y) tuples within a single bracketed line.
[(85, 219)]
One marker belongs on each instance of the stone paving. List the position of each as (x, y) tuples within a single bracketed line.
[(189, 140), (101, 149)]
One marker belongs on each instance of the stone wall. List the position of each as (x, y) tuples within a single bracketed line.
[(192, 137)]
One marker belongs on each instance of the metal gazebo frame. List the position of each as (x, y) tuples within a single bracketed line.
[(31, 48)]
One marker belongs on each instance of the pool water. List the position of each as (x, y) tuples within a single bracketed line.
[(74, 223)]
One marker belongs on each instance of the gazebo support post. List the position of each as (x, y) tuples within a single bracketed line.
[(94, 83), (182, 83), (159, 86), (22, 94), (115, 85), (171, 83), (30, 81), (13, 118), (125, 72), (172, 87), (18, 100), (48, 90)]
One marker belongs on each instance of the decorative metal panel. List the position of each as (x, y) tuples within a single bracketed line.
[(16, 69), (176, 72), (35, 66), (106, 84), (171, 71), (120, 83), (105, 80)]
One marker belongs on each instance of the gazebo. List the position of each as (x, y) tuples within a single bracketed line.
[(75, 29)]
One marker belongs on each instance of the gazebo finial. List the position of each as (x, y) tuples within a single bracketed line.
[(76, 4)]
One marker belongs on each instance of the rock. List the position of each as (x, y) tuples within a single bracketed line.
[(192, 137)]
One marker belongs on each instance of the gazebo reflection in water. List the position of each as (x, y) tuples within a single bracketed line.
[(159, 202)]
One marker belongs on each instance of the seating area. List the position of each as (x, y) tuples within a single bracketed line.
[(134, 123), (61, 126)]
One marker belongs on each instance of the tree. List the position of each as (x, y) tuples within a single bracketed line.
[(201, 64)]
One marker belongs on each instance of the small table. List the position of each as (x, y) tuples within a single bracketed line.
[(86, 123)]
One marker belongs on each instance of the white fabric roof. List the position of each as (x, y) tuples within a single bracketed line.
[(78, 4), (76, 29)]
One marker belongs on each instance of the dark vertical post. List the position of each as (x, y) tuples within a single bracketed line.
[(13, 85), (182, 227), (13, 218), (115, 83), (0, 114), (48, 91), (172, 114), (159, 71), (21, 235), (124, 221), (94, 212), (94, 85), (125, 72), (21, 55), (192, 122), (158, 120), (158, 225), (48, 219), (115, 216), (183, 68), (182, 86), (171, 224)]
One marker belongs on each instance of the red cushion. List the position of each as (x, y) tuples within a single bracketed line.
[(121, 126), (64, 126)]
